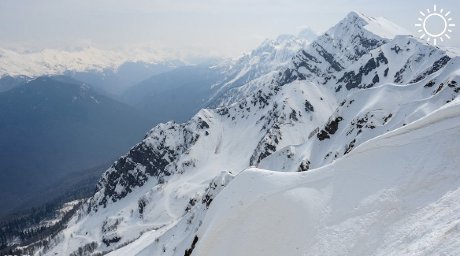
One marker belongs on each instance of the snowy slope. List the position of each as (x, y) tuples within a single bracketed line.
[(318, 107), (396, 194), (268, 57)]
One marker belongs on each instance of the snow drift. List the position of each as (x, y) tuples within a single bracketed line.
[(396, 194)]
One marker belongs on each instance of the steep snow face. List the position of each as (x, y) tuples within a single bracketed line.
[(269, 56), (313, 110), (326, 59), (396, 194), (403, 60), (55, 62), (341, 45), (381, 26), (364, 114)]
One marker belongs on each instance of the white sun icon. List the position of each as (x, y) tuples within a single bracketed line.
[(434, 16)]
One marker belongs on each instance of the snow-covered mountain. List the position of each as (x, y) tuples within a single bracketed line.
[(180, 93), (56, 62), (9, 82), (269, 56), (371, 114), (114, 71), (108, 71)]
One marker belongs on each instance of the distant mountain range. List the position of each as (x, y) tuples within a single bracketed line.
[(115, 82), (56, 61), (58, 124), (174, 95), (9, 82), (180, 93)]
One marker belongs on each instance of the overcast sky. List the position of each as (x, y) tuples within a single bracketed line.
[(198, 27)]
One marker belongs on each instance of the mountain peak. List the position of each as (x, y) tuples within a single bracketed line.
[(354, 15), (341, 45), (376, 25), (307, 33)]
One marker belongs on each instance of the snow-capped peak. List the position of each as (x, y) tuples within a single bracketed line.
[(376, 25), (269, 56), (340, 46)]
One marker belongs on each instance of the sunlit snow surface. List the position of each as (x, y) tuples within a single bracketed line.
[(396, 194)]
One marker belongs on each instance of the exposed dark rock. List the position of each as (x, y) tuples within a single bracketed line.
[(304, 166), (108, 241), (396, 49), (399, 74), (141, 205), (190, 204), (85, 250), (265, 150), (124, 172), (350, 146), (202, 124), (261, 99), (293, 115), (222, 111), (430, 83), (189, 251), (354, 80), (207, 199), (308, 106), (385, 73), (330, 128), (328, 57), (437, 65), (376, 79), (438, 89), (385, 119)]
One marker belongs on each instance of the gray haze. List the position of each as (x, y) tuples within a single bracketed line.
[(190, 27)]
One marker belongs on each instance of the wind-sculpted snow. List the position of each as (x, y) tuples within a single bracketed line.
[(393, 195), (354, 84)]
